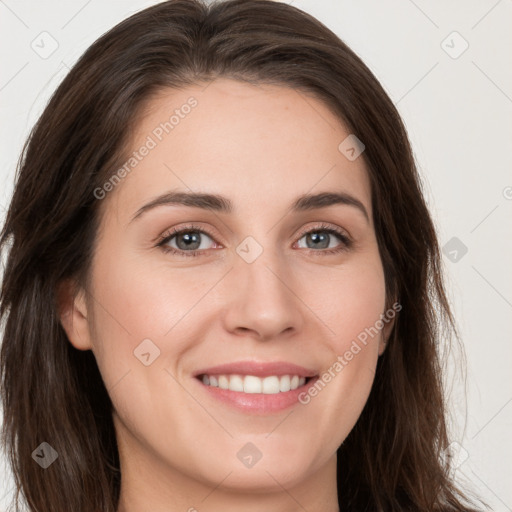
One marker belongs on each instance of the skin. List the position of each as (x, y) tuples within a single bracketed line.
[(178, 446)]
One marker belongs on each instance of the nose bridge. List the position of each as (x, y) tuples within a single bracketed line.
[(260, 266), (262, 298)]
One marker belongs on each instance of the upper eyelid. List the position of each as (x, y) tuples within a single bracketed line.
[(324, 226)]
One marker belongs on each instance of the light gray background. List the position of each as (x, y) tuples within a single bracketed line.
[(458, 111)]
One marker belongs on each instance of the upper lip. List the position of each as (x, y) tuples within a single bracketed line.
[(258, 369)]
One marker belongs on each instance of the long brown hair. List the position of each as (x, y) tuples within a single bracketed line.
[(393, 458)]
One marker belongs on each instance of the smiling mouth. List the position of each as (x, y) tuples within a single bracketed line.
[(251, 384)]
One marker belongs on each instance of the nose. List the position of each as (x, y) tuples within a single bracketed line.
[(263, 299)]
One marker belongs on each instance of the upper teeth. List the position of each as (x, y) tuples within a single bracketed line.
[(251, 384)]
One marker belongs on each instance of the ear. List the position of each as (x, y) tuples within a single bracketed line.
[(72, 310), (389, 323), (385, 336)]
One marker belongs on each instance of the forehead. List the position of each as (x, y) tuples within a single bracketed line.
[(260, 145)]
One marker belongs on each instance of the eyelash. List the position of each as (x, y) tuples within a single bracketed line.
[(169, 235)]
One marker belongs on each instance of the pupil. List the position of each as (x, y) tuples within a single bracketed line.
[(317, 237)]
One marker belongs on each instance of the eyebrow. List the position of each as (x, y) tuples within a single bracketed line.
[(222, 204)]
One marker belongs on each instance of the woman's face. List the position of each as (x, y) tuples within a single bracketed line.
[(269, 300)]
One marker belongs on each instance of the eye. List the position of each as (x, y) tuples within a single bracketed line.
[(321, 236), (189, 240)]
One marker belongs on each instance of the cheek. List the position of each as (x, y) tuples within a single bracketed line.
[(142, 317), (353, 308), (350, 300), (130, 307), (140, 299)]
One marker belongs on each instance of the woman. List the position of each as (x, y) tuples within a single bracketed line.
[(223, 288)]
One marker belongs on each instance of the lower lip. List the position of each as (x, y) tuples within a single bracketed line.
[(259, 403)]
